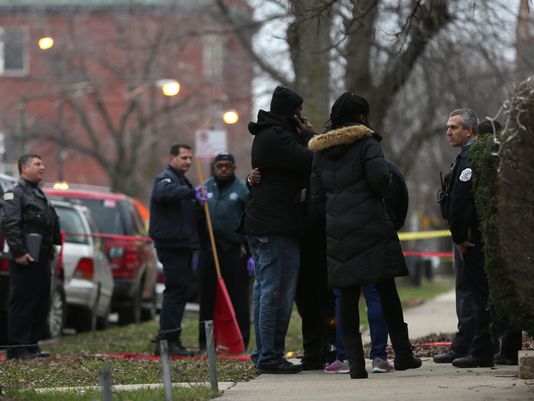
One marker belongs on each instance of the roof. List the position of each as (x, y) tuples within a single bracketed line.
[(85, 194)]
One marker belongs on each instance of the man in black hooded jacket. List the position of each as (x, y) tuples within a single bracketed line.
[(273, 218)]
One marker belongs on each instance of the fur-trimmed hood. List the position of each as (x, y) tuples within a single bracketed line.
[(340, 136)]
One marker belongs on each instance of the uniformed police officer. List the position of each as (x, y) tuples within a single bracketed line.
[(458, 208), (227, 196), (26, 210), (173, 228)]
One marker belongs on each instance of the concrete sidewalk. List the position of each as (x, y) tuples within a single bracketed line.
[(431, 382), (435, 316)]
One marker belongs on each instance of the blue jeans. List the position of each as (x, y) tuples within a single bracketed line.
[(275, 281), (377, 325)]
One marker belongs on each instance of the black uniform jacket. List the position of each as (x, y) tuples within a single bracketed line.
[(349, 181), (458, 202), (27, 210), (173, 211), (277, 204)]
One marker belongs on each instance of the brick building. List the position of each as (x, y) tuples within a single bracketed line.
[(80, 83)]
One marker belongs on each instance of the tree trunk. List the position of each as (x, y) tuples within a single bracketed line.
[(309, 42)]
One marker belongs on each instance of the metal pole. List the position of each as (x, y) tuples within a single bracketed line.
[(105, 382), (212, 365), (165, 367), (22, 125)]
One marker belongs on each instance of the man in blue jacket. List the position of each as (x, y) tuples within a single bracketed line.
[(173, 228), (227, 196)]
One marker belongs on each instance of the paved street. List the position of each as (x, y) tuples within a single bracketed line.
[(431, 382)]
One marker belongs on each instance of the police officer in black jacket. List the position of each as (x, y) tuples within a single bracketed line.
[(472, 346), (173, 228), (26, 210)]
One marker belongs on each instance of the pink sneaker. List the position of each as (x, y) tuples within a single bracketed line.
[(381, 366), (337, 367)]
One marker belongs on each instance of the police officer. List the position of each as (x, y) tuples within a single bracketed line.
[(227, 197), (473, 343), (27, 210), (173, 228)]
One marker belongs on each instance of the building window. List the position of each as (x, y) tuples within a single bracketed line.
[(13, 50), (212, 56)]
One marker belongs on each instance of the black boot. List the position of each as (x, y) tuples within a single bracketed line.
[(354, 347), (404, 358)]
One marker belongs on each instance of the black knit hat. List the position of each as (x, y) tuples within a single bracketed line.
[(285, 101), (224, 156)]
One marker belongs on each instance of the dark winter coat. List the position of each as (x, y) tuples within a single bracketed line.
[(227, 205), (173, 211), (457, 200), (349, 181), (397, 199), (277, 205), (27, 210)]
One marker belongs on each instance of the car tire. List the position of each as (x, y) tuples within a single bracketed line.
[(3, 327), (131, 314), (102, 322), (148, 308), (84, 320), (57, 312)]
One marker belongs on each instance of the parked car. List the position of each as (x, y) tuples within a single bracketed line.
[(57, 311), (130, 251), (87, 271)]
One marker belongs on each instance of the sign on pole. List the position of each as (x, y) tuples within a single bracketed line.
[(208, 143)]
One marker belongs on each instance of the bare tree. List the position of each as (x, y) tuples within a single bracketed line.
[(98, 93), (414, 61)]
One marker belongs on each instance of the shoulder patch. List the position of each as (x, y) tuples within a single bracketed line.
[(466, 174), (165, 180), (9, 196)]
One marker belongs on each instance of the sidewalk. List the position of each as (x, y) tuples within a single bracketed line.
[(436, 316), (434, 382)]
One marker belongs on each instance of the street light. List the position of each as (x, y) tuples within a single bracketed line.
[(46, 43), (169, 87), (230, 117)]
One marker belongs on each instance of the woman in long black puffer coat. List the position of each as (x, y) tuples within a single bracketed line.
[(350, 179)]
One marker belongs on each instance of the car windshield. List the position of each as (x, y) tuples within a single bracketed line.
[(72, 225), (107, 215)]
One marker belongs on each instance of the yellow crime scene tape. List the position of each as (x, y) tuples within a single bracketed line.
[(424, 235)]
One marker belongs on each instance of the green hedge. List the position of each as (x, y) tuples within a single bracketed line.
[(485, 163), (504, 301)]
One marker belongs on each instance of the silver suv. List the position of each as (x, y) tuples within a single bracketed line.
[(87, 272)]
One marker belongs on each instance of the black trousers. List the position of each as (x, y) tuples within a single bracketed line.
[(29, 300), (511, 343), (178, 274), (477, 281), (465, 309), (234, 272), (391, 308), (315, 301)]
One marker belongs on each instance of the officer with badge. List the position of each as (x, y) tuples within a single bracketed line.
[(173, 227), (31, 227), (472, 346), (227, 196)]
